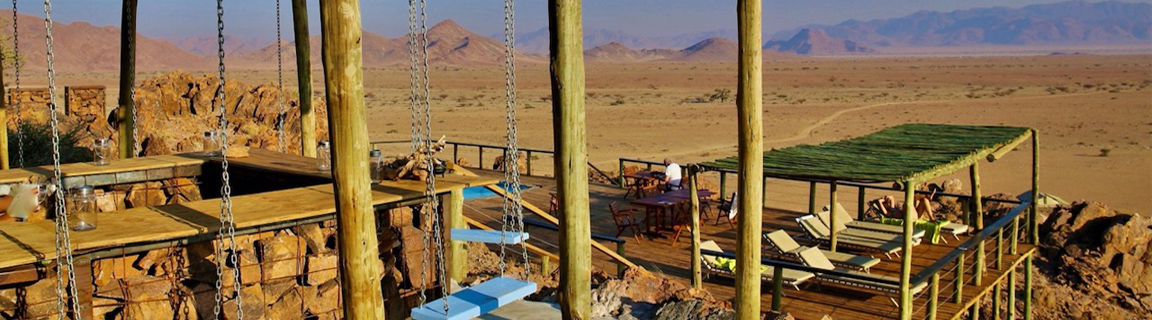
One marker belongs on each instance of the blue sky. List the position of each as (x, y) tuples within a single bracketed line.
[(174, 19)]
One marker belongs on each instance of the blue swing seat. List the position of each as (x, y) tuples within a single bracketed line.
[(488, 236), (476, 300)]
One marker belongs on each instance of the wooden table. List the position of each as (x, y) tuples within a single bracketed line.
[(656, 205), (640, 179)]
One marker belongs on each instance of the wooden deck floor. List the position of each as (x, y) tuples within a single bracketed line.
[(811, 302)]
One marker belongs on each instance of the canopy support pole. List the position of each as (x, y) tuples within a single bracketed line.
[(695, 200), (906, 260), (304, 77), (832, 213), (571, 159), (750, 121), (1033, 233), (126, 142), (454, 219), (356, 223), (4, 120)]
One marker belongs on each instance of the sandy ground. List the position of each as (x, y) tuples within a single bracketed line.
[(1081, 104)]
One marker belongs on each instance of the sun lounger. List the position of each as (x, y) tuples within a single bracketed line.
[(711, 267), (812, 257), (816, 231), (842, 229), (787, 247), (952, 228)]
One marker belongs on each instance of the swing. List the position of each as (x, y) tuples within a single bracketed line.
[(496, 292)]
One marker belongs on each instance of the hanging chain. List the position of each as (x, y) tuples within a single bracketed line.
[(227, 232), (16, 73), (415, 87), (132, 90), (65, 289), (280, 83), (512, 168)]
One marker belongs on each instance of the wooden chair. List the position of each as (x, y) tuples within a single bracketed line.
[(553, 205), (650, 189), (625, 219), (727, 210)]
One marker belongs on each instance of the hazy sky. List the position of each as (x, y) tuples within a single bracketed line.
[(256, 18)]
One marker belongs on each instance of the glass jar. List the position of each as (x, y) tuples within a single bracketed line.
[(81, 208), (211, 143), (323, 156), (102, 151), (376, 165)]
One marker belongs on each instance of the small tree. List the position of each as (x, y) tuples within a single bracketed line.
[(720, 94)]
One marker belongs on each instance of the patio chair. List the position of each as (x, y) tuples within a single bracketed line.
[(812, 257), (712, 268), (955, 229), (842, 229), (816, 231), (553, 205), (625, 219), (787, 247), (727, 210)]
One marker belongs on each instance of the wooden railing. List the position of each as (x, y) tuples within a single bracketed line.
[(620, 243), (530, 155)]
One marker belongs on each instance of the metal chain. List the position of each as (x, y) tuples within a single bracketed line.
[(227, 226), (16, 73), (64, 288), (415, 87), (280, 83), (430, 205), (513, 168), (132, 90)]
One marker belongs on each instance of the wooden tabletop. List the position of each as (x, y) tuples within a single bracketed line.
[(19, 175), (645, 175), (669, 198)]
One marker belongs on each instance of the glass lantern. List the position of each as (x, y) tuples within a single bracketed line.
[(376, 164), (323, 156), (81, 208), (102, 151), (211, 143)]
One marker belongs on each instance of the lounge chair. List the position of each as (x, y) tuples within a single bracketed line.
[(816, 231), (787, 247), (791, 277), (812, 257), (955, 229), (842, 229)]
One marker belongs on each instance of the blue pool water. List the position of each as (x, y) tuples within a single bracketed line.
[(483, 192)]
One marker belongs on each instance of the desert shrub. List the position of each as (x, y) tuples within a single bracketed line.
[(1105, 152), (38, 146)]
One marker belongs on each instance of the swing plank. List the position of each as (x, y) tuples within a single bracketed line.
[(476, 300), (488, 236)]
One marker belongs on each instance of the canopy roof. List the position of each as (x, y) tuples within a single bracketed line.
[(915, 152)]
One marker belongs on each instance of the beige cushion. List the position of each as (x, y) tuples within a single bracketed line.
[(781, 240), (710, 245), (812, 257)]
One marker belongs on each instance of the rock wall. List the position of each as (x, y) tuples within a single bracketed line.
[(32, 104)]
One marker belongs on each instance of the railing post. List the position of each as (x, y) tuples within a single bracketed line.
[(1000, 249), (777, 289), (620, 267), (1028, 287), (958, 294), (621, 172), (860, 204), (528, 160), (906, 296), (481, 157), (545, 265), (649, 167), (933, 296), (1015, 233), (996, 301), (455, 153), (974, 312), (723, 184), (832, 214), (1033, 233), (812, 197), (1012, 294), (978, 273)]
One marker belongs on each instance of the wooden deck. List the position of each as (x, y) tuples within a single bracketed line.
[(813, 301)]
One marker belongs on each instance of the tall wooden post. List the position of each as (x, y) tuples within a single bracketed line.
[(356, 231), (832, 213), (812, 197), (750, 119), (126, 142), (906, 260), (454, 219), (1033, 232), (976, 209), (860, 208), (1028, 287), (3, 121), (304, 77), (696, 282), (571, 159)]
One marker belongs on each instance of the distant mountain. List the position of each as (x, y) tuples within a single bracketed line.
[(1072, 22), (537, 41), (81, 46), (816, 42), (711, 49), (207, 45)]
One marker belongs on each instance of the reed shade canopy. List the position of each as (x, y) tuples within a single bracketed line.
[(908, 152)]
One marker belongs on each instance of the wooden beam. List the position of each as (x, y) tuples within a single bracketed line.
[(566, 58), (125, 141), (304, 77), (695, 201), (906, 296), (750, 126), (1000, 152), (454, 219), (356, 227)]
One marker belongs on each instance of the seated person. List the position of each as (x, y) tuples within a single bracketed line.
[(888, 207), (671, 175)]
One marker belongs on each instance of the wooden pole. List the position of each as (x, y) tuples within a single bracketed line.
[(974, 311), (976, 209), (860, 199), (571, 160), (1033, 232), (454, 219), (906, 260), (1012, 294), (4, 121), (750, 115), (812, 197), (1028, 287), (356, 223), (832, 214), (996, 301), (304, 77), (127, 144), (777, 289), (696, 282), (958, 294), (933, 296)]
